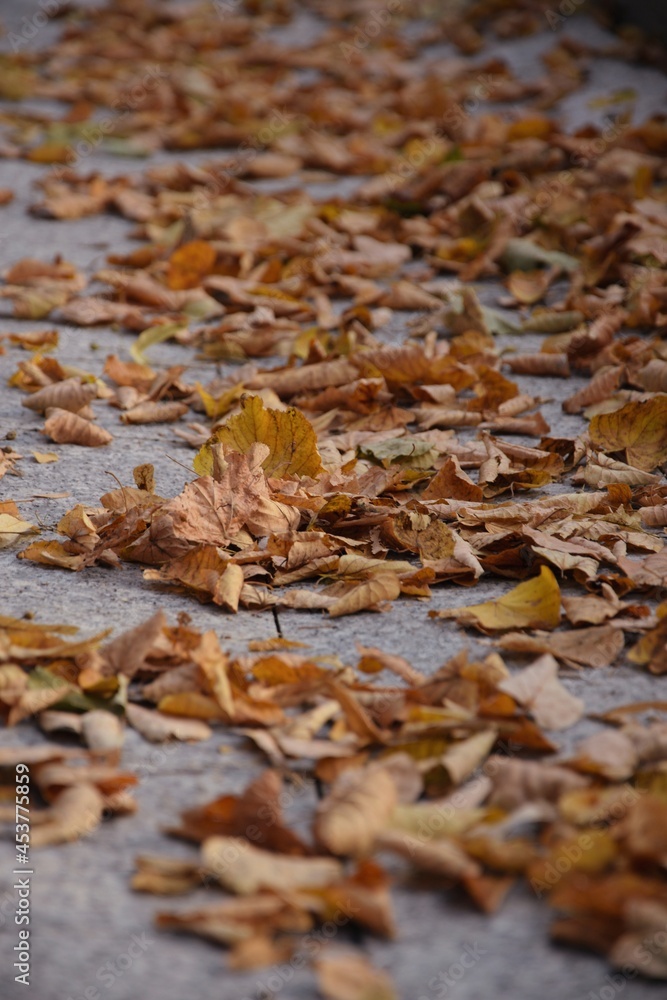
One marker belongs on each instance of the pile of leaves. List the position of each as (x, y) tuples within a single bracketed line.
[(446, 772)]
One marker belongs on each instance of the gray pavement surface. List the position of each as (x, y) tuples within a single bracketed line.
[(84, 915)]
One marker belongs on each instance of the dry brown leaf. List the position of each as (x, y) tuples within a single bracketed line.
[(128, 652), (639, 429), (442, 857), (349, 976), (356, 809), (102, 730), (452, 482), (368, 594), (154, 413), (598, 646), (609, 754), (76, 812), (243, 869), (157, 728), (64, 427), (235, 920), (71, 394), (538, 689), (516, 782)]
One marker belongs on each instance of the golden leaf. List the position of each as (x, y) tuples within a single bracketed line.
[(534, 603), (290, 437), (638, 428), (190, 264)]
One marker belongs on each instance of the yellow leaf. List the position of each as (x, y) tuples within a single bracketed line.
[(11, 528), (639, 429), (291, 440), (153, 335), (217, 406), (190, 264), (534, 603)]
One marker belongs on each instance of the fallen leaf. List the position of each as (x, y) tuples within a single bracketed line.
[(533, 604), (240, 868), (64, 427), (538, 689), (639, 429), (290, 438), (352, 977), (157, 727), (357, 808)]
